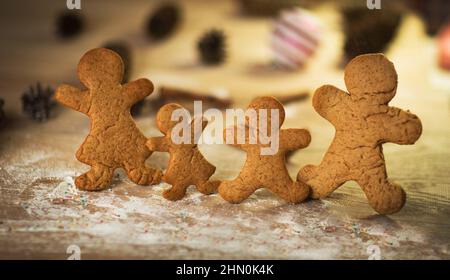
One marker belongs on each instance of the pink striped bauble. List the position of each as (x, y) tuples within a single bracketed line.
[(295, 37)]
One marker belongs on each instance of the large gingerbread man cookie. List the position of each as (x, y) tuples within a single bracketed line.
[(267, 170), (363, 121), (187, 166), (114, 141)]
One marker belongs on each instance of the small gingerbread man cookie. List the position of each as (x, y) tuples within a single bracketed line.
[(363, 121), (114, 141), (187, 166), (267, 170)]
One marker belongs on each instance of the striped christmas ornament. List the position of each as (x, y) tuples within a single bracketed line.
[(295, 38)]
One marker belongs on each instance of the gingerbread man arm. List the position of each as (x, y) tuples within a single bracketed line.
[(293, 139), (328, 100), (73, 98), (160, 144), (137, 90), (399, 126)]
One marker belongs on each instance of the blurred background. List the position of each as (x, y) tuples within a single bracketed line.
[(226, 52)]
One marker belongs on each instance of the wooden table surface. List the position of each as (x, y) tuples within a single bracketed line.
[(42, 214)]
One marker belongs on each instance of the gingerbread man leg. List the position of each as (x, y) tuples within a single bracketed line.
[(237, 190), (307, 173), (207, 187), (98, 178), (141, 174), (324, 179), (201, 180), (176, 192), (293, 192), (385, 197)]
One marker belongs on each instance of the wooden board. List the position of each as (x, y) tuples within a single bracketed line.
[(41, 213)]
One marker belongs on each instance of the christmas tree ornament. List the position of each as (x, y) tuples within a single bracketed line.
[(295, 38), (444, 48)]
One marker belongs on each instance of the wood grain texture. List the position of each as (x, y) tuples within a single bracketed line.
[(41, 213)]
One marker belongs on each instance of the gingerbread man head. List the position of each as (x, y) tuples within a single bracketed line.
[(164, 120), (372, 75), (363, 122), (100, 67), (264, 108)]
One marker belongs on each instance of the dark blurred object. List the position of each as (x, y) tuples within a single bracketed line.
[(2, 113), (219, 98), (444, 48), (435, 13), (163, 21), (369, 31), (37, 102), (288, 98), (273, 7), (69, 24), (124, 51), (385, 4), (211, 47), (186, 97)]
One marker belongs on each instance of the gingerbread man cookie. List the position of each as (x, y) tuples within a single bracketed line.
[(114, 141), (264, 170), (363, 121), (187, 166)]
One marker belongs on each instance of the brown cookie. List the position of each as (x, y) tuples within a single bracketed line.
[(187, 166), (263, 170), (363, 122), (114, 141)]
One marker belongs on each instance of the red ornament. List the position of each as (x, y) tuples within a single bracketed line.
[(444, 48)]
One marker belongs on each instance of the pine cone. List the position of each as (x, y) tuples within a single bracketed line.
[(37, 102), (211, 47)]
